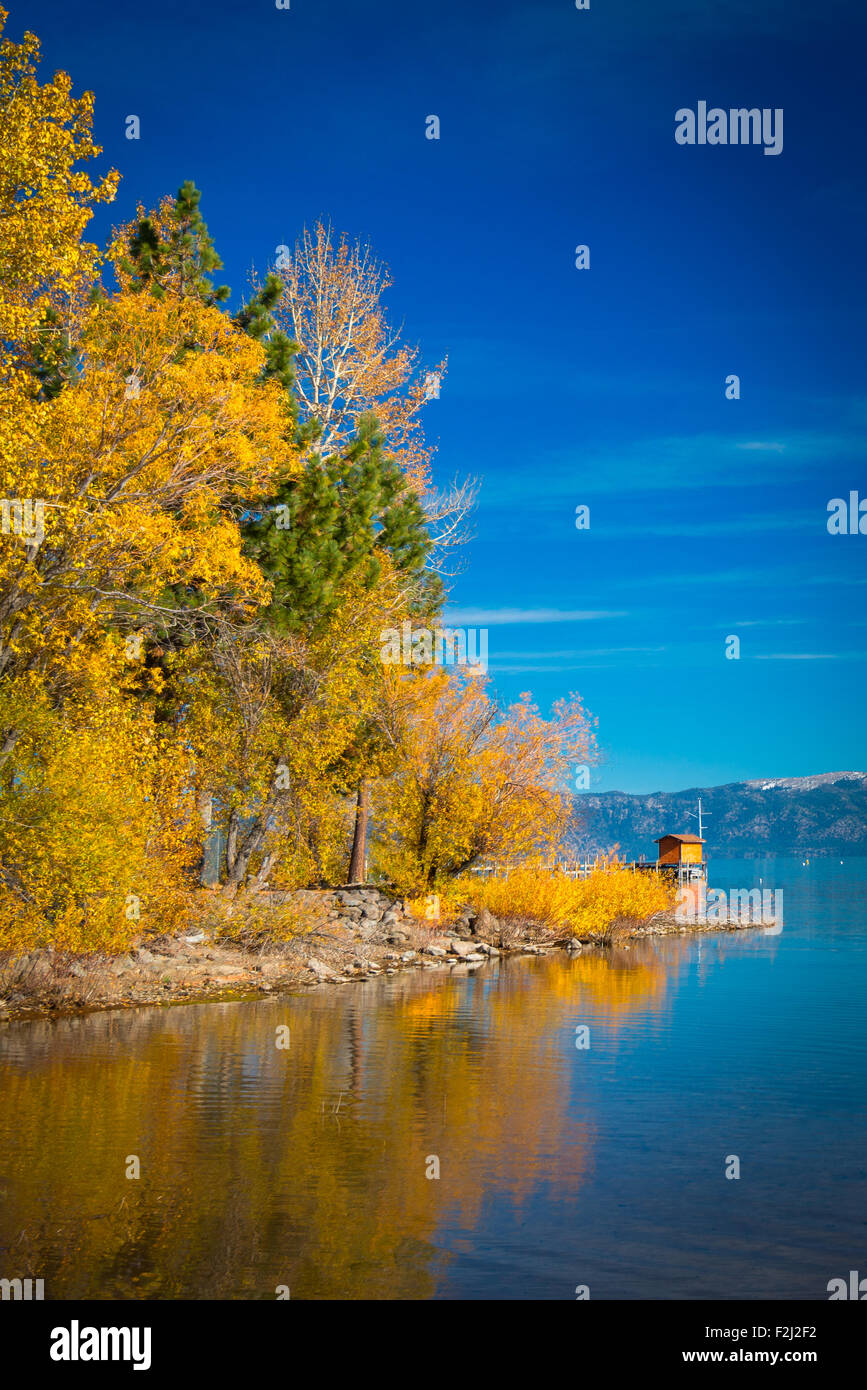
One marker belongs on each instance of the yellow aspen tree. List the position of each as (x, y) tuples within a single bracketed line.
[(350, 362), (46, 199), (471, 781)]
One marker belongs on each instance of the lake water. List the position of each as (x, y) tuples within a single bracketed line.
[(306, 1166)]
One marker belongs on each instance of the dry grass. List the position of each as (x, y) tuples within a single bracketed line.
[(57, 979)]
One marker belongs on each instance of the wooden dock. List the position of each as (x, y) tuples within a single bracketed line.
[(583, 868)]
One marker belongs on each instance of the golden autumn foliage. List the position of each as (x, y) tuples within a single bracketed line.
[(46, 201), (122, 491), (95, 815), (131, 463)]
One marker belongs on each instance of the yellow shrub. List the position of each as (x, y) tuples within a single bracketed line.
[(584, 907), (97, 828)]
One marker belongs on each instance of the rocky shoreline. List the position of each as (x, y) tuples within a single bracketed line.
[(345, 935)]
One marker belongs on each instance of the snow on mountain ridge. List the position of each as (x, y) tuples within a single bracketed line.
[(818, 779)]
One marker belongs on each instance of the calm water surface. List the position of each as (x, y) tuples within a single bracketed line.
[(558, 1167)]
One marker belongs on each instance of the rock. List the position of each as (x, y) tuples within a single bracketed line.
[(437, 951), (77, 970), (318, 968), (145, 956), (463, 948), (485, 922), (194, 938), (475, 958), (352, 899), (408, 955), (397, 938), (487, 949), (391, 955), (390, 917)]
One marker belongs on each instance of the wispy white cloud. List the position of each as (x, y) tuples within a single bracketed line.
[(497, 617), (761, 447), (768, 622), (685, 463), (548, 670), (589, 651), (810, 656), (786, 576), (761, 524)]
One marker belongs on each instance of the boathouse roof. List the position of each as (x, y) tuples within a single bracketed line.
[(684, 839)]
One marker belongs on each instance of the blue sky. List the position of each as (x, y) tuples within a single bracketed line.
[(602, 387)]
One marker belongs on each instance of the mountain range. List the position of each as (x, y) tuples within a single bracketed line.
[(821, 815)]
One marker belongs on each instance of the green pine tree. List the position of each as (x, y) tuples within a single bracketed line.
[(257, 319), (53, 357), (337, 520), (180, 263)]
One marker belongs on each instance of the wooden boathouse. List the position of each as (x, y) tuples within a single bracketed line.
[(679, 849), (681, 856)]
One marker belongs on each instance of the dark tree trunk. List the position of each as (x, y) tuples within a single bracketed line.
[(359, 839)]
